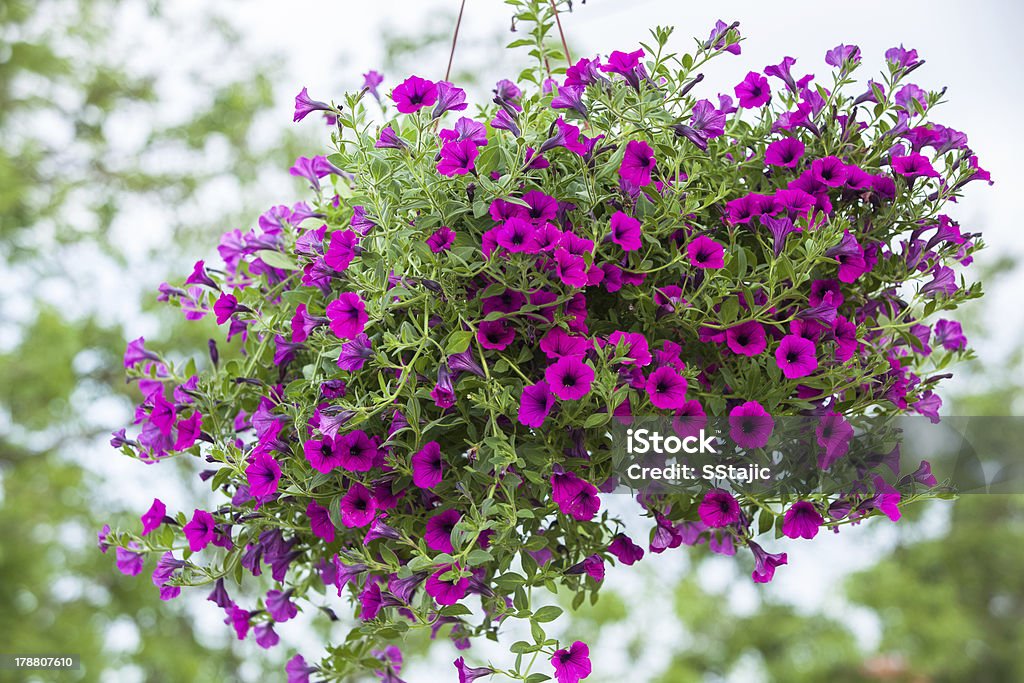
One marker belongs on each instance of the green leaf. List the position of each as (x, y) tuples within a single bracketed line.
[(458, 342), (547, 613), (276, 259)]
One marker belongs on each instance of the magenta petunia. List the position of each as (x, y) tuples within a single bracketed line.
[(495, 334), (128, 562), (637, 163), (356, 451), (569, 378), (358, 506), (570, 268), (457, 158), (322, 454), (343, 248), (689, 419), (573, 664), (427, 466), (558, 343), (439, 530), (305, 105), (746, 339), (535, 403), (666, 388), (279, 606), (753, 91), (347, 315), (625, 231), (449, 98), (830, 171), (834, 434), (950, 335), (914, 166), (469, 674), (441, 239), (625, 550), (154, 517), (802, 520), (704, 252), (765, 563), (574, 496), (718, 508), (199, 530), (320, 521), (446, 591), (750, 425), (786, 153), (796, 356), (263, 475), (355, 353), (635, 350), (413, 94)]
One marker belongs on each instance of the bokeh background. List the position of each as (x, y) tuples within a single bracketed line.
[(134, 132)]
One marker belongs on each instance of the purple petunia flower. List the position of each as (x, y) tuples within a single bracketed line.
[(627, 65), (570, 97), (802, 520), (358, 506), (469, 674), (704, 252), (347, 315), (320, 521), (199, 530), (263, 475), (718, 38), (441, 239), (457, 158), (572, 664), (449, 98), (439, 531), (950, 335), (746, 339), (782, 71), (833, 434), (574, 496), (943, 282), (343, 248), (625, 550), (466, 129), (446, 591), (427, 466), (666, 388), (298, 671), (637, 163), (495, 334), (128, 562), (535, 403), (796, 356), (753, 91), (718, 508), (371, 79), (322, 454), (413, 94), (843, 57), (443, 392), (625, 231), (154, 517), (355, 353), (914, 166), (765, 562), (750, 425), (569, 378), (785, 152), (304, 106), (357, 452)]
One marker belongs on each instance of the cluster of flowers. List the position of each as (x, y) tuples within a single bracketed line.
[(432, 349)]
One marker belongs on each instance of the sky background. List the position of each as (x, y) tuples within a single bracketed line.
[(970, 48)]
